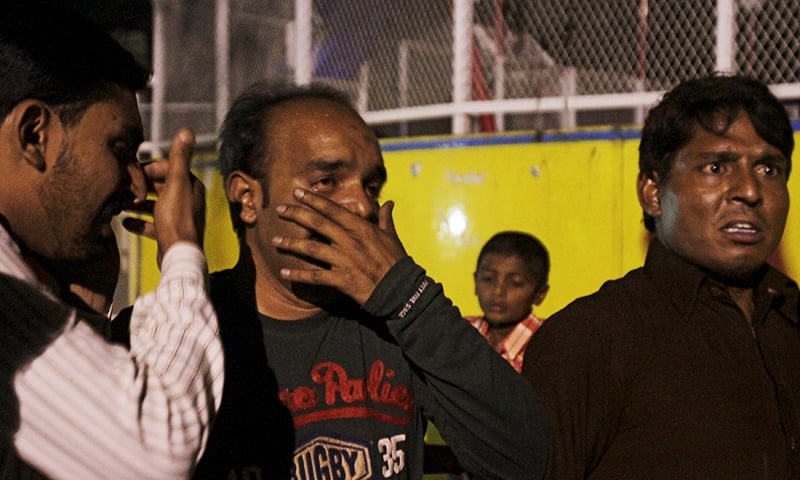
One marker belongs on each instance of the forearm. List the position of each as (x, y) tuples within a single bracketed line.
[(488, 414), (92, 410)]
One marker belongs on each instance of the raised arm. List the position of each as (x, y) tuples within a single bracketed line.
[(488, 414), (88, 409)]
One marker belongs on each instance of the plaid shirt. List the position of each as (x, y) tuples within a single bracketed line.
[(512, 348)]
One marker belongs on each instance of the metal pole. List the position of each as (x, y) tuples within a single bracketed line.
[(304, 61), (158, 82), (403, 54), (462, 61), (500, 63), (569, 83), (222, 45), (641, 77), (726, 36)]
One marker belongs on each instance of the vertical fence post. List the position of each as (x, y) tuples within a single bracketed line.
[(222, 59), (159, 81), (403, 57), (639, 113), (726, 36), (462, 61), (500, 63), (569, 86), (303, 47)]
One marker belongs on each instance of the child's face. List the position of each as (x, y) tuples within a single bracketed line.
[(506, 288)]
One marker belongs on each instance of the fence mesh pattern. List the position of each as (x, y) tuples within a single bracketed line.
[(390, 54)]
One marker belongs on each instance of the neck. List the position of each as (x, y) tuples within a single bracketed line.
[(498, 332), (276, 300)]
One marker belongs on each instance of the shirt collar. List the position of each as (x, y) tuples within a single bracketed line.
[(523, 330), (682, 282)]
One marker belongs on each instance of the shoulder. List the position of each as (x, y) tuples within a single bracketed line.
[(612, 324), (615, 302)]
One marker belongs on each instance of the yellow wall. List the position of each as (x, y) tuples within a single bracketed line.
[(573, 190)]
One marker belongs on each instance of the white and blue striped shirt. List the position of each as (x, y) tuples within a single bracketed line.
[(76, 406)]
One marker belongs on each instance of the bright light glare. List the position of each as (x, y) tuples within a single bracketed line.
[(456, 222)]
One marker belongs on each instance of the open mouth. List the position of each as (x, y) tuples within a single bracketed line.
[(740, 227), (743, 232)]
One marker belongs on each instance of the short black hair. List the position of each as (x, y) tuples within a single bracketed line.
[(243, 142), (51, 53), (704, 102), (528, 248)]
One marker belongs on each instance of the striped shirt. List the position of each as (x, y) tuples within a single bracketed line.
[(512, 348), (76, 406)]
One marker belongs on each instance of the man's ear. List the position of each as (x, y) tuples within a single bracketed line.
[(647, 190), (246, 191), (32, 121), (541, 294)]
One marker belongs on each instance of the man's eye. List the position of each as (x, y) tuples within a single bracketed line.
[(713, 167), (769, 170), (323, 184), (373, 189)]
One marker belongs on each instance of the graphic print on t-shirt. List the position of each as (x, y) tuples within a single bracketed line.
[(332, 394), (331, 458), (375, 449)]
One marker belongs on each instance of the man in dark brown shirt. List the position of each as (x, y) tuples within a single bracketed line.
[(687, 368)]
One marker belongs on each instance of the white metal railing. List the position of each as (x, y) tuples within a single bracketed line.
[(466, 37)]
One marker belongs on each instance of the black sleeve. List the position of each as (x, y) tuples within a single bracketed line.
[(121, 327), (488, 414)]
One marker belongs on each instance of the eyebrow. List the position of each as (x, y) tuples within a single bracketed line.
[(727, 156), (378, 173)]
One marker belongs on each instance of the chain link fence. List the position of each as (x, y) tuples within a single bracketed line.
[(525, 58)]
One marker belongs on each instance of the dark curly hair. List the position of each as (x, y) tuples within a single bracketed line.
[(712, 103), (53, 54)]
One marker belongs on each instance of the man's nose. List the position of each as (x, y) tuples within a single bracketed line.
[(359, 202), (746, 187)]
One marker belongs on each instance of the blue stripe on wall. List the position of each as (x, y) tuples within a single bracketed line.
[(542, 137)]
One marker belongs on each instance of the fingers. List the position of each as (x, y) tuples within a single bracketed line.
[(139, 226), (178, 211), (385, 219), (138, 181), (180, 155), (325, 217), (155, 173), (358, 252), (142, 208)]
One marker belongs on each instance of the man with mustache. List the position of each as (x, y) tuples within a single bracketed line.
[(72, 404), (688, 366), (326, 309)]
